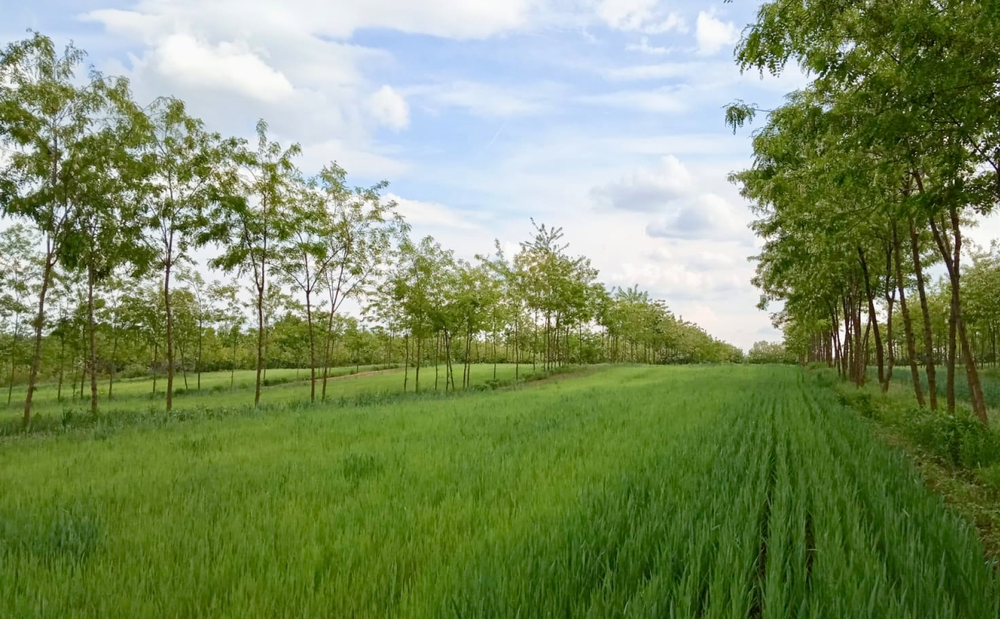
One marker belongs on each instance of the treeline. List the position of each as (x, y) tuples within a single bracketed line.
[(865, 181), (110, 201)]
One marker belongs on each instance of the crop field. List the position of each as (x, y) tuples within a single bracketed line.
[(727, 491), (989, 377), (284, 387)]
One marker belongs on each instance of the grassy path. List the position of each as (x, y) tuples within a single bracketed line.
[(641, 492)]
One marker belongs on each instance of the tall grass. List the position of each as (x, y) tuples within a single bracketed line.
[(641, 492)]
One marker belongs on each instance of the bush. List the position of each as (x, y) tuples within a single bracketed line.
[(960, 438)]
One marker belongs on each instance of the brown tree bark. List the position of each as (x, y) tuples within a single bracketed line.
[(925, 311), (873, 319), (911, 347)]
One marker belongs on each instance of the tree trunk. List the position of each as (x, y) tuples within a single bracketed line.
[(92, 329), (62, 363), (873, 320), (152, 365), (114, 366), (890, 301), (953, 265), (36, 358), (517, 350), (201, 347), (312, 347), (260, 341), (911, 347), (13, 346), (416, 378), (406, 362), (925, 311), (170, 335)]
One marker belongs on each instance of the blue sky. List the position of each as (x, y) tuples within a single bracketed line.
[(601, 116)]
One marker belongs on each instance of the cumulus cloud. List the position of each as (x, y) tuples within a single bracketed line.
[(431, 214), (708, 216), (460, 19), (713, 34), (647, 190), (226, 66), (389, 108)]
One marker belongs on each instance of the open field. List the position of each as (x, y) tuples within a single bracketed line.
[(642, 491), (287, 386)]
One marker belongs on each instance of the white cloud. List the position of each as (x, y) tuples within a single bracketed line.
[(639, 15), (713, 34), (432, 215), (707, 216), (647, 190), (227, 66), (459, 19), (644, 47), (365, 160), (389, 108)]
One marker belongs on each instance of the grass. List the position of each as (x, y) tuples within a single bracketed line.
[(286, 387), (642, 492), (956, 454), (989, 378)]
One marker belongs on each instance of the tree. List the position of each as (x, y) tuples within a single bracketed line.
[(304, 260), (19, 273), (47, 123), (362, 229), (251, 221), (188, 160)]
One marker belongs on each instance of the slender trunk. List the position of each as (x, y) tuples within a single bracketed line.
[(152, 365), (13, 346), (62, 363), (406, 362), (873, 320), (92, 328), (184, 372), (260, 342), (925, 311), (36, 358), (201, 348), (416, 377), (952, 255), (468, 359), (312, 347), (911, 347), (437, 358), (890, 301), (517, 350), (114, 362), (327, 349), (951, 359), (170, 335)]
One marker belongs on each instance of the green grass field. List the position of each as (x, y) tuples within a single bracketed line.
[(988, 377), (734, 492), (286, 387)]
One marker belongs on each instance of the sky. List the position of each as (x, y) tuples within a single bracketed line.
[(603, 117)]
